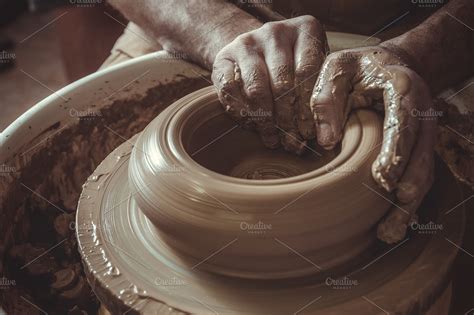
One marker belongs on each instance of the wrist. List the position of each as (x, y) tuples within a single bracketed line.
[(404, 52), (439, 49), (218, 34)]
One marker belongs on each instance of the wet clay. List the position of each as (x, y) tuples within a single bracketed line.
[(150, 260), (300, 199), (56, 170)]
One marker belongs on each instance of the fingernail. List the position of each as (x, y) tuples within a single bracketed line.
[(325, 136), (391, 232)]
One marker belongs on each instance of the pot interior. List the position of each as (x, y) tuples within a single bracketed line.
[(217, 142)]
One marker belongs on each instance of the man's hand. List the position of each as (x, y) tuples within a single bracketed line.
[(361, 78), (265, 78)]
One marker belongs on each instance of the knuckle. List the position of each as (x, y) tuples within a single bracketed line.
[(310, 21), (224, 54), (246, 39), (336, 57), (274, 27), (310, 25), (221, 54), (275, 36), (340, 59)]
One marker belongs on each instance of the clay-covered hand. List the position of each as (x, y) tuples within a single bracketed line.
[(265, 78), (366, 77)]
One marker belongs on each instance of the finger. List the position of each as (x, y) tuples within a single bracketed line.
[(418, 175), (394, 226), (329, 101), (413, 186), (278, 55), (226, 79), (257, 91), (310, 52), (403, 91)]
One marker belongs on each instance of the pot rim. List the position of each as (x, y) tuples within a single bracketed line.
[(157, 140), (179, 119)]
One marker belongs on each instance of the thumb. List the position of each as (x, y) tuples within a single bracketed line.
[(329, 101)]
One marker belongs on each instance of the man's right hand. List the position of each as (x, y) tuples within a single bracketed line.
[(265, 79)]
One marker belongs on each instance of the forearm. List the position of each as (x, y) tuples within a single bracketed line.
[(441, 48), (197, 28)]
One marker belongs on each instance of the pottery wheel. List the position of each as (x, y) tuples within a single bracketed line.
[(132, 269), (137, 270)]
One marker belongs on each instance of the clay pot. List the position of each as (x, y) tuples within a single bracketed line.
[(193, 170)]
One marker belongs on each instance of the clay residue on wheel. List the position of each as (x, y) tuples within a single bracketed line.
[(55, 171)]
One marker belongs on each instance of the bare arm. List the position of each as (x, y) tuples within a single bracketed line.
[(197, 28), (441, 48), (272, 66)]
